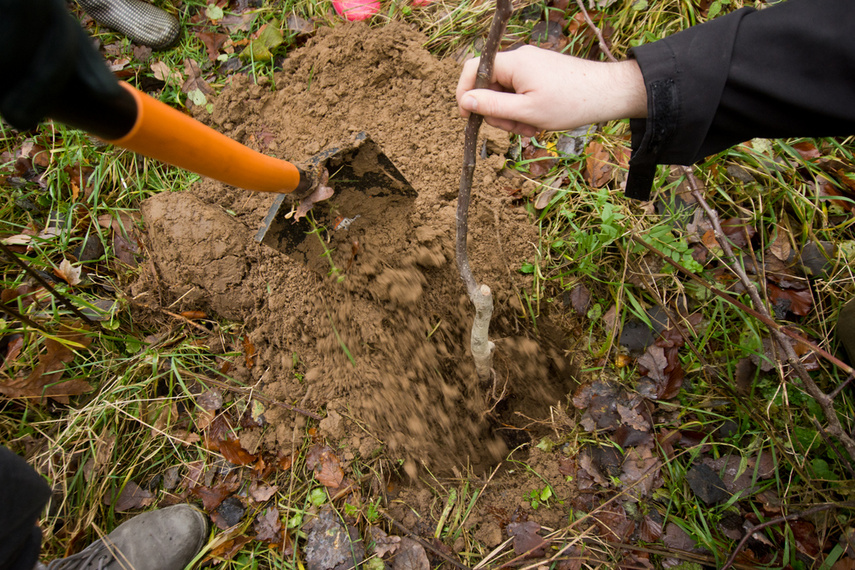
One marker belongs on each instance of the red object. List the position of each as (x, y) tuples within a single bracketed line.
[(356, 9), (422, 2)]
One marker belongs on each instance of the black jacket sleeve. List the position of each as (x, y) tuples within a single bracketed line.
[(787, 70)]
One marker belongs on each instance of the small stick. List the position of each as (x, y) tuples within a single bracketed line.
[(778, 520), (480, 295), (603, 47), (171, 314), (23, 318), (59, 297)]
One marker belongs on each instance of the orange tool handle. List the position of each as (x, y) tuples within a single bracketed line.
[(166, 134)]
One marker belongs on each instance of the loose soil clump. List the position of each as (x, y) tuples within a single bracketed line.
[(385, 350)]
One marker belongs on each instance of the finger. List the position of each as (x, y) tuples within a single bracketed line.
[(512, 126), (497, 104)]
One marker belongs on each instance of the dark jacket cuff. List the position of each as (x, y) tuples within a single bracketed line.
[(684, 75)]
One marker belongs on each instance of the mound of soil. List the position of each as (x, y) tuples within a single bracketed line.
[(385, 349)]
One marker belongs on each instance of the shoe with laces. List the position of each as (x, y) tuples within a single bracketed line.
[(165, 539), (140, 21)]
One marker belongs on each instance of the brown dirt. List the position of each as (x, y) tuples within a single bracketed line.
[(401, 310)]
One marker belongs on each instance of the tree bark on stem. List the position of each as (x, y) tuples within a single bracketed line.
[(480, 295)]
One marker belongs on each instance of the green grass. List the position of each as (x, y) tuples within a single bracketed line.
[(144, 366)]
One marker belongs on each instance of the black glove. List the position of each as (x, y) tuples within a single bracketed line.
[(49, 68)]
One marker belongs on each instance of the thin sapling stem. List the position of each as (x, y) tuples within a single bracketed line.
[(480, 295)]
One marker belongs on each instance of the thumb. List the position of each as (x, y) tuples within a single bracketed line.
[(494, 104)]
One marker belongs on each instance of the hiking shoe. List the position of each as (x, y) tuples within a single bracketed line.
[(140, 21), (166, 539)]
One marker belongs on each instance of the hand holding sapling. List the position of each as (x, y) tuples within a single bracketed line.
[(535, 89)]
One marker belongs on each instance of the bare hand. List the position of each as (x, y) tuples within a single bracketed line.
[(535, 89)]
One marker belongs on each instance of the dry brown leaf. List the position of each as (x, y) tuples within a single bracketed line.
[(213, 42), (44, 380), (13, 351), (383, 543), (248, 352), (297, 25), (212, 496), (544, 197), (68, 273), (261, 492), (640, 472), (781, 248), (321, 193), (194, 78), (132, 497), (795, 301), (654, 362), (227, 549), (527, 542), (210, 400), (234, 453), (238, 22), (268, 527), (163, 72), (614, 524), (599, 169)]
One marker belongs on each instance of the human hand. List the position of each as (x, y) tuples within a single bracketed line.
[(535, 89)]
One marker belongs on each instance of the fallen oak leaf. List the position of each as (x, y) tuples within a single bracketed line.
[(268, 527), (298, 25), (194, 79), (68, 273), (212, 497), (599, 170), (213, 42), (410, 556), (234, 453), (383, 543)]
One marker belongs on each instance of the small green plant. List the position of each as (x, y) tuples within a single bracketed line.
[(538, 497)]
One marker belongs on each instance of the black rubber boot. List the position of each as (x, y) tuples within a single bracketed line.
[(140, 21), (845, 329), (166, 539)]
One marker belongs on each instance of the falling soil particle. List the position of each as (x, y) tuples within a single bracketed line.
[(387, 346)]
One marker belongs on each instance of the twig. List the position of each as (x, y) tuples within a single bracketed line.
[(597, 32), (778, 520), (401, 528), (57, 295), (826, 403), (171, 314), (480, 295), (23, 318)]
